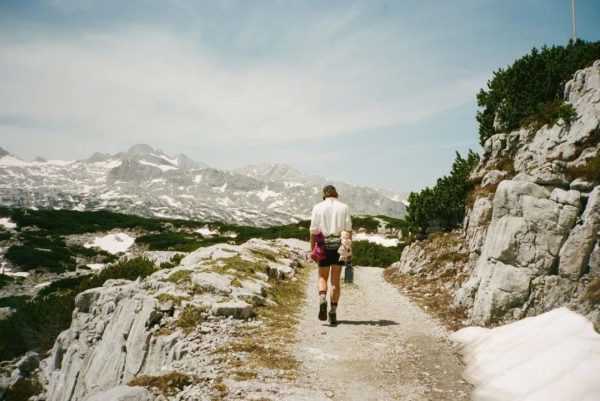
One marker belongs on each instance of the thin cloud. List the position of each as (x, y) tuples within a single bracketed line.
[(147, 84)]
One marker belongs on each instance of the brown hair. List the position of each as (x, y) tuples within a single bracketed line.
[(329, 191)]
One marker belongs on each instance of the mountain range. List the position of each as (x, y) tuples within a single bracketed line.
[(149, 182)]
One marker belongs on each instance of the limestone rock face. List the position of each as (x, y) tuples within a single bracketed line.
[(477, 222), (536, 242), (106, 345)]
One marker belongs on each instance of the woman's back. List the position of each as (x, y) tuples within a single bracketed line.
[(330, 217)]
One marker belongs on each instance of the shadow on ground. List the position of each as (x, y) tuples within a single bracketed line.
[(380, 323)]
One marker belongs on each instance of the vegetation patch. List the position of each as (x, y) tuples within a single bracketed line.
[(41, 251), (190, 318), (431, 288), (6, 280), (180, 276), (23, 389), (176, 299), (550, 113), (269, 346), (5, 235), (238, 267), (65, 222), (442, 207), (175, 241), (266, 254), (168, 384), (365, 253), (530, 91), (173, 262)]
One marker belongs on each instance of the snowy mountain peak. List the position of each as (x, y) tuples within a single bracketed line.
[(98, 157), (273, 172), (140, 149), (3, 152)]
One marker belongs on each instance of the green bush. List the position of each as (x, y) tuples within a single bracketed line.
[(39, 251), (37, 322), (5, 235), (66, 222), (365, 253), (367, 222), (442, 207), (530, 91), (176, 241), (5, 280)]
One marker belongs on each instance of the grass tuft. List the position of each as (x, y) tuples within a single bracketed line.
[(168, 385)]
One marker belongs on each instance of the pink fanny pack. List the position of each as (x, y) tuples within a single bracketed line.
[(318, 252)]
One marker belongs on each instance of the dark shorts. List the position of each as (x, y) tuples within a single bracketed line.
[(332, 257)]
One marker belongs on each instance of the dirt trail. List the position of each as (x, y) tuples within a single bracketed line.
[(384, 348)]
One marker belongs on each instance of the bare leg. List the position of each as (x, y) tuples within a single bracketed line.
[(323, 279), (336, 272)]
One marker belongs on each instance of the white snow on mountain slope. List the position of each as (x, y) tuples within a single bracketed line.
[(148, 182), (7, 223), (376, 239), (551, 357), (112, 243)]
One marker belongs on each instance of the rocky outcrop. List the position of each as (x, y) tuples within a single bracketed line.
[(533, 228), (171, 321)]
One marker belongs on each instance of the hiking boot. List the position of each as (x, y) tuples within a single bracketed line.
[(323, 311), (332, 318)]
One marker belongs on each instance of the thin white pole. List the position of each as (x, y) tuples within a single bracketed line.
[(573, 20)]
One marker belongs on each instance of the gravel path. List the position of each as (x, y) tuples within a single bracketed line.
[(384, 348)]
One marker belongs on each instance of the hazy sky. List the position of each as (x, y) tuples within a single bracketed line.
[(378, 93)]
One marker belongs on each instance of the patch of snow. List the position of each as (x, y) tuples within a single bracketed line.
[(172, 202), (166, 158), (60, 162), (162, 167), (551, 357), (108, 164), (109, 195), (207, 232), (168, 216), (266, 193), (112, 243), (226, 201), (7, 223), (16, 274), (11, 161), (198, 179), (275, 204), (42, 285), (376, 239), (96, 266), (291, 184), (221, 189)]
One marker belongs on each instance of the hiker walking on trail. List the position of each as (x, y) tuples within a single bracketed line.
[(329, 219)]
